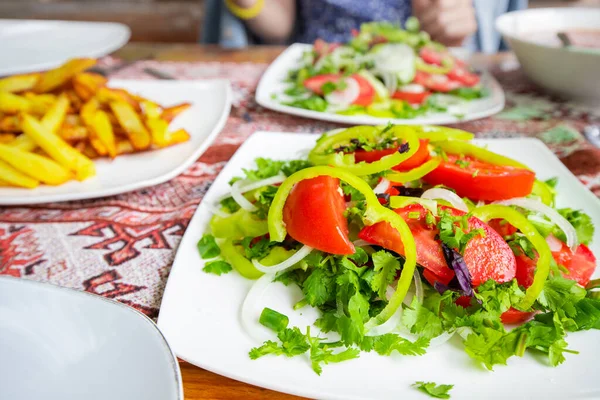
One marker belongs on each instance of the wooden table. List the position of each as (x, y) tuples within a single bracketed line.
[(199, 383)]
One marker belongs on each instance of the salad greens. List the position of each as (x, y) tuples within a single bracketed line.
[(384, 71), (451, 296)]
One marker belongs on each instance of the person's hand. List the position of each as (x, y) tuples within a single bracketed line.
[(447, 21)]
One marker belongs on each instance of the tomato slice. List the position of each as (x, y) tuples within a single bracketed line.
[(436, 82), (430, 56), (479, 180), (514, 316), (487, 257), (323, 48), (581, 265), (314, 215), (412, 97), (366, 91), (464, 76), (413, 161)]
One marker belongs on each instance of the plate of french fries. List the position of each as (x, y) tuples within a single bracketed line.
[(69, 134)]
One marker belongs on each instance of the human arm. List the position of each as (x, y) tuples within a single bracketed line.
[(447, 21), (275, 22)]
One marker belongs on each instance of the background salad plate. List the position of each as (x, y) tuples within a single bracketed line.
[(272, 85)]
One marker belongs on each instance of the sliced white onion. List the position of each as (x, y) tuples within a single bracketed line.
[(382, 186), (441, 339), (214, 209), (554, 243), (238, 196), (447, 195), (346, 96), (249, 317), (243, 186), (361, 243), (388, 326), (282, 266), (412, 88), (552, 214), (464, 331), (418, 287)]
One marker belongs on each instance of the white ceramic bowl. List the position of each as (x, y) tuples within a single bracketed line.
[(63, 344), (573, 72)]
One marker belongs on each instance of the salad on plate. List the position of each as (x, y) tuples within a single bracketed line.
[(384, 71), (403, 237)]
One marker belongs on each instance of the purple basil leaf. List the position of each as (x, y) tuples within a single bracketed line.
[(411, 192), (456, 263), (403, 148), (440, 287)]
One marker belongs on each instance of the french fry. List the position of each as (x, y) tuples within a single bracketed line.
[(98, 146), (7, 137), (102, 129), (74, 133), (150, 109), (5, 183), (18, 83), (36, 166), (124, 147), (39, 103), (15, 177), (107, 95), (55, 115), (55, 78), (13, 103), (88, 110), (170, 113), (158, 129), (86, 84), (58, 149), (23, 143), (178, 136), (131, 123), (10, 123), (87, 150)]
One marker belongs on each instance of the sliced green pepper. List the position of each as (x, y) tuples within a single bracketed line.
[(516, 219), (441, 133), (447, 65), (240, 224), (347, 162), (544, 192), (374, 212), (415, 173), (234, 255), (403, 201), (468, 149)]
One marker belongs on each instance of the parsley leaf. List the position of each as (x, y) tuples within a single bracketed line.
[(454, 231), (293, 343), (421, 320), (263, 201), (323, 353), (319, 287), (581, 222), (433, 389), (257, 248), (207, 247), (230, 205), (519, 244), (385, 344), (218, 267), (385, 267)]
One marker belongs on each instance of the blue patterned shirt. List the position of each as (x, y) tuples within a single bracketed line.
[(333, 20)]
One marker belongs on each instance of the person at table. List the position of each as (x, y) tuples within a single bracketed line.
[(450, 22)]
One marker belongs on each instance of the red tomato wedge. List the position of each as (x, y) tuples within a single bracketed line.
[(514, 316), (487, 257), (430, 56), (322, 48), (436, 82), (412, 97), (414, 161), (581, 265), (314, 215), (464, 76), (479, 180), (366, 91)]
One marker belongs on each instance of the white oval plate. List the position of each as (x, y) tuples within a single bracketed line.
[(36, 45), (200, 313), (63, 344), (273, 83), (211, 102)]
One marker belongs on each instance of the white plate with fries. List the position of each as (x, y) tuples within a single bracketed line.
[(70, 135)]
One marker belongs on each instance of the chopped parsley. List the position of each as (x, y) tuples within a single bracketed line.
[(455, 231), (217, 267), (433, 389), (207, 247), (462, 163)]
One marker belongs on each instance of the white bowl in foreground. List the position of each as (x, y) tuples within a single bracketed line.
[(63, 344), (573, 71)]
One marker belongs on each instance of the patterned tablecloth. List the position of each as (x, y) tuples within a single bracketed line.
[(123, 246)]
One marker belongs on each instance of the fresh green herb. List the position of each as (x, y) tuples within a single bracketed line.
[(440, 153), (433, 389), (256, 248), (385, 266), (475, 173), (217, 267), (462, 163), (519, 244), (581, 222), (414, 215), (314, 103), (273, 320), (470, 93), (296, 90), (455, 231), (293, 343), (230, 205), (263, 201), (207, 247)]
